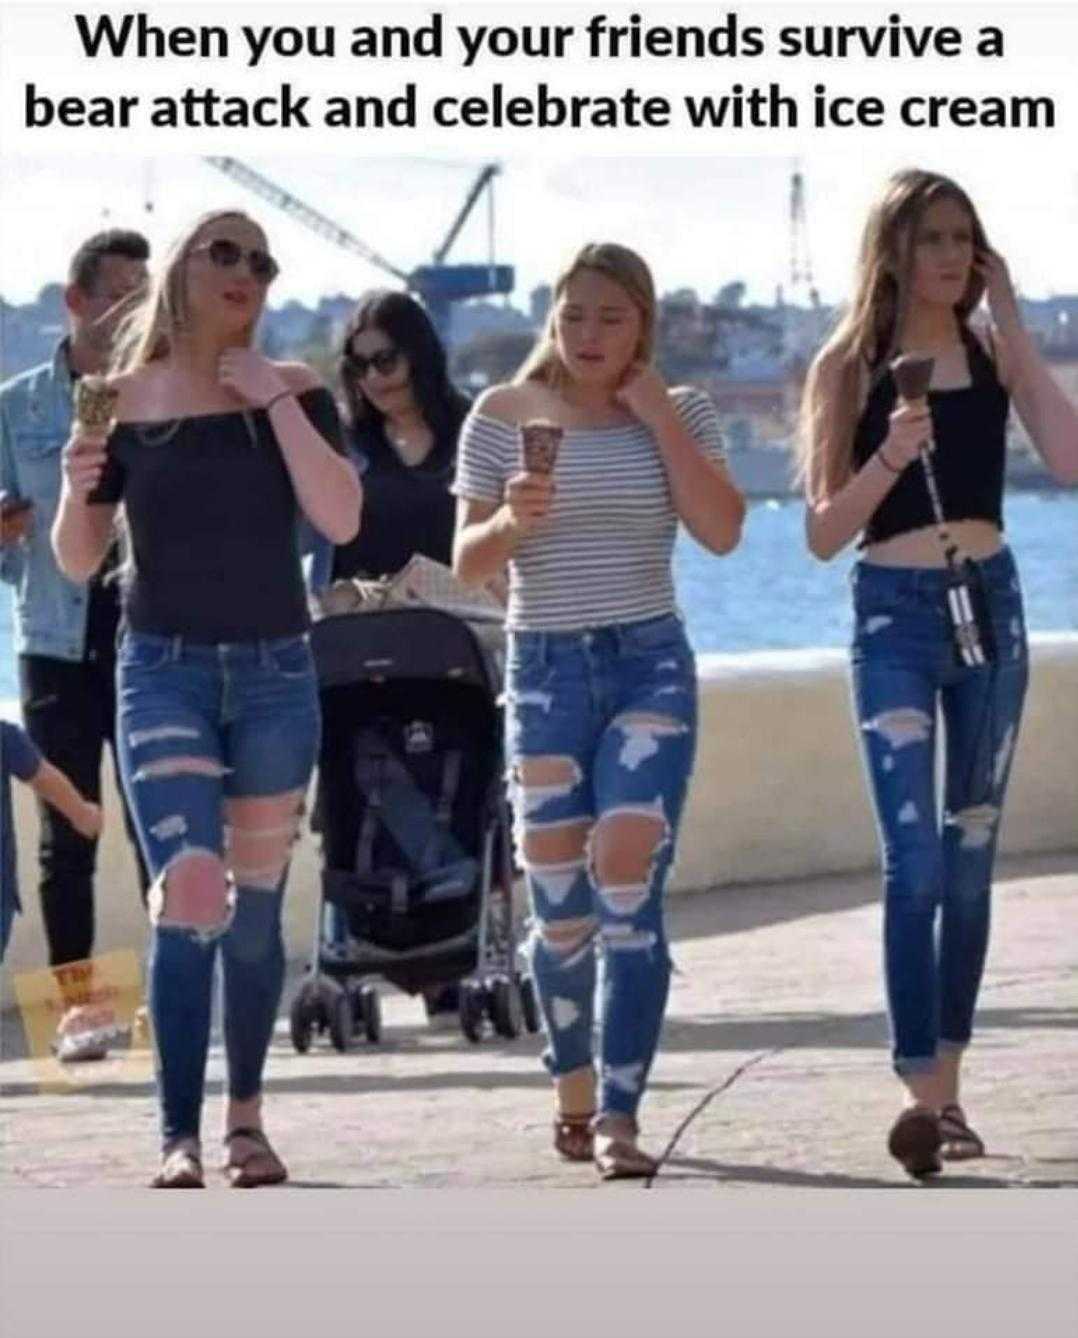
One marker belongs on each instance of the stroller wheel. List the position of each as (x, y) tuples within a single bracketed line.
[(299, 1023), (471, 1012), (370, 1009), (506, 1011), (529, 1005), (341, 1022)]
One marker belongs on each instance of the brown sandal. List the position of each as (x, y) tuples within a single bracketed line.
[(181, 1168), (960, 1142), (244, 1173), (620, 1159), (573, 1137), (915, 1140)]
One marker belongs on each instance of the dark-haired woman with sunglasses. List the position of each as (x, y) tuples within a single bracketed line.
[(214, 452), (404, 415)]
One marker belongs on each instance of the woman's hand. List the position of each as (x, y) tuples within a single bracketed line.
[(911, 428), (527, 500), (250, 376), (87, 820), (999, 288), (643, 392), (82, 460)]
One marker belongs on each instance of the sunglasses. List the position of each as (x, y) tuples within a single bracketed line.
[(226, 254), (383, 362)]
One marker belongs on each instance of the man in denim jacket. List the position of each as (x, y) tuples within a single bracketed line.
[(64, 633)]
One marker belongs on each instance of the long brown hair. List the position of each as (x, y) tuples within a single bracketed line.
[(149, 332), (867, 335), (623, 267)]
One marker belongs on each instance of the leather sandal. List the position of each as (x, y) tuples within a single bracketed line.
[(181, 1168), (619, 1158), (259, 1166), (959, 1141), (915, 1140), (573, 1137)]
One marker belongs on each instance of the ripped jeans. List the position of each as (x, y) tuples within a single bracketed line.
[(206, 735), (903, 669), (601, 733)]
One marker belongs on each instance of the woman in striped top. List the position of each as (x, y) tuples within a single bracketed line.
[(601, 688)]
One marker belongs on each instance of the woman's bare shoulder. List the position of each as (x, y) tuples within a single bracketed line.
[(136, 390), (509, 403)]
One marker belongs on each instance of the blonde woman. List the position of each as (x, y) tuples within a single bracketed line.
[(214, 452), (925, 265), (601, 691)]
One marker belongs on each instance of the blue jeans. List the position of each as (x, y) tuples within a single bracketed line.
[(903, 670), (601, 734), (198, 725)]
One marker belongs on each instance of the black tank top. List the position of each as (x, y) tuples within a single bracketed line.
[(970, 429)]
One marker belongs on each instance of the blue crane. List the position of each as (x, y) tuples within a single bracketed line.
[(438, 285)]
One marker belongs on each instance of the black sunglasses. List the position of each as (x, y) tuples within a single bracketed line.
[(383, 362), (227, 254)]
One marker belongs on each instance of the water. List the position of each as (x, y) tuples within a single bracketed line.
[(771, 594)]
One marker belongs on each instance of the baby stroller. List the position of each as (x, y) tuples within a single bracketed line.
[(417, 869)]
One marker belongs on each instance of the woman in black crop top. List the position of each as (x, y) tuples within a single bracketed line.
[(925, 265), (214, 452)]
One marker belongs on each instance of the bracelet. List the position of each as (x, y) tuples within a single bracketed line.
[(885, 462), (281, 395)]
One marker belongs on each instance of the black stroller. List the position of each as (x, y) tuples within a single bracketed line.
[(417, 869)]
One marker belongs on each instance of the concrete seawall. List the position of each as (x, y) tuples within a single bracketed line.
[(778, 792)]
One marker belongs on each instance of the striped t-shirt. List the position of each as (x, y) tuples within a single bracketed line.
[(602, 554)]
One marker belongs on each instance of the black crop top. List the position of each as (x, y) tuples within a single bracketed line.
[(213, 518), (970, 430)]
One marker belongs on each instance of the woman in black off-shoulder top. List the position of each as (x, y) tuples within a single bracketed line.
[(214, 453)]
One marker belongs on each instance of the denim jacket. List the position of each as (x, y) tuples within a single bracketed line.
[(35, 420)]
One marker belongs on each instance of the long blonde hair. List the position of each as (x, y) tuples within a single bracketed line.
[(868, 332), (623, 267), (149, 332)]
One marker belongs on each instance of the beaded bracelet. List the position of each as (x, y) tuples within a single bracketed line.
[(885, 462), (281, 395)]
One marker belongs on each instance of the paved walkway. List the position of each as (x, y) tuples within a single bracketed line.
[(780, 982)]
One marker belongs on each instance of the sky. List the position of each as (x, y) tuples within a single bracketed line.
[(699, 222)]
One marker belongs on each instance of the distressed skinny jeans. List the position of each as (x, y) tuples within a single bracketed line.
[(199, 726), (601, 732), (937, 873)]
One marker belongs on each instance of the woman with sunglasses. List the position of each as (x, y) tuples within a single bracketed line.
[(214, 452), (404, 415)]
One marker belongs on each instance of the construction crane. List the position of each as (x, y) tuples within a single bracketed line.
[(438, 285), (800, 259)]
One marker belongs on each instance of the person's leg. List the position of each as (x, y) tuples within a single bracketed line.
[(982, 714), (551, 732), (272, 746), (56, 706), (172, 769), (104, 690), (896, 714), (641, 776)]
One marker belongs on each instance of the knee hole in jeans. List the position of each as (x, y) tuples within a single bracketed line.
[(192, 892), (624, 849)]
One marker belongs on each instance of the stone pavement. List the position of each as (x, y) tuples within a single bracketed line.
[(780, 981)]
